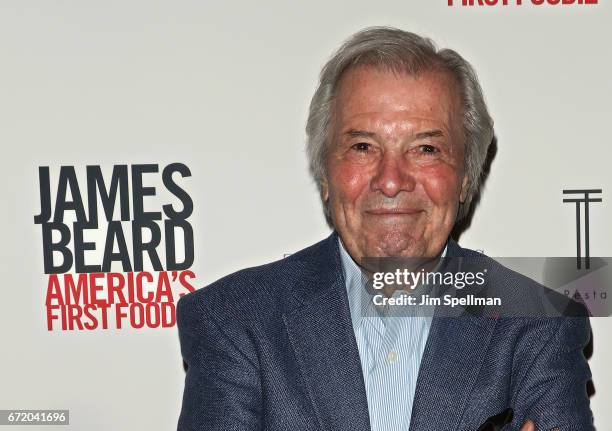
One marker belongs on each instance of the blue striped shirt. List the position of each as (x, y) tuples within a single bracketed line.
[(390, 350)]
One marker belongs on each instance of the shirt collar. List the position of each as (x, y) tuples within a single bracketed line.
[(359, 299)]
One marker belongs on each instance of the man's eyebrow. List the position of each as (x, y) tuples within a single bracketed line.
[(430, 134), (353, 133)]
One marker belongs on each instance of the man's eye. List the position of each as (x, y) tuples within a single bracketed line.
[(362, 147), (428, 149)]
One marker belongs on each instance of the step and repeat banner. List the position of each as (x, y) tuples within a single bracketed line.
[(150, 148)]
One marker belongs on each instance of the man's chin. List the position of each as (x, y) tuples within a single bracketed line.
[(395, 244)]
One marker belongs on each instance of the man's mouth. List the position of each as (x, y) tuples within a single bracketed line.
[(393, 211)]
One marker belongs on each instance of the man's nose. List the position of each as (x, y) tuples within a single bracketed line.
[(393, 175)]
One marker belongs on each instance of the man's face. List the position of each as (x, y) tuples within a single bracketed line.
[(395, 169)]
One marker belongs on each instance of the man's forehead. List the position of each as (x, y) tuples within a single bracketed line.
[(431, 87), (368, 94)]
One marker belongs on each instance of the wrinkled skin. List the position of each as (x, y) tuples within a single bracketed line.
[(395, 167)]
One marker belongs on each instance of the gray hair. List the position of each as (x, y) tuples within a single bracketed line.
[(401, 52)]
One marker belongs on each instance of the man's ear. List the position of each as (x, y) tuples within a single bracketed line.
[(464, 189), (324, 189)]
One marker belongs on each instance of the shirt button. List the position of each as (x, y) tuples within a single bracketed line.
[(392, 356)]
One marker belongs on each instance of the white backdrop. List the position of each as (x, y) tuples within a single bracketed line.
[(224, 88)]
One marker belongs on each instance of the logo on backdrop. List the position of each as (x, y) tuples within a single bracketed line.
[(584, 197), (109, 262), (520, 2)]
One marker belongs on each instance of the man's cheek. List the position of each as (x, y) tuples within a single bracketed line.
[(350, 181), (441, 186)]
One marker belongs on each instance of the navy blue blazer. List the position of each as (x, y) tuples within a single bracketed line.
[(273, 348)]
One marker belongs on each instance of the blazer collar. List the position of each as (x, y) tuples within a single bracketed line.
[(321, 272)]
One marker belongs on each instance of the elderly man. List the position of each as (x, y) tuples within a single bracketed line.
[(397, 132)]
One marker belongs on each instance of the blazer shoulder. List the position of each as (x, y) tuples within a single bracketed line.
[(520, 294), (255, 291)]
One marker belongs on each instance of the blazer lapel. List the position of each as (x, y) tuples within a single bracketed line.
[(453, 355), (322, 336), (451, 361)]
